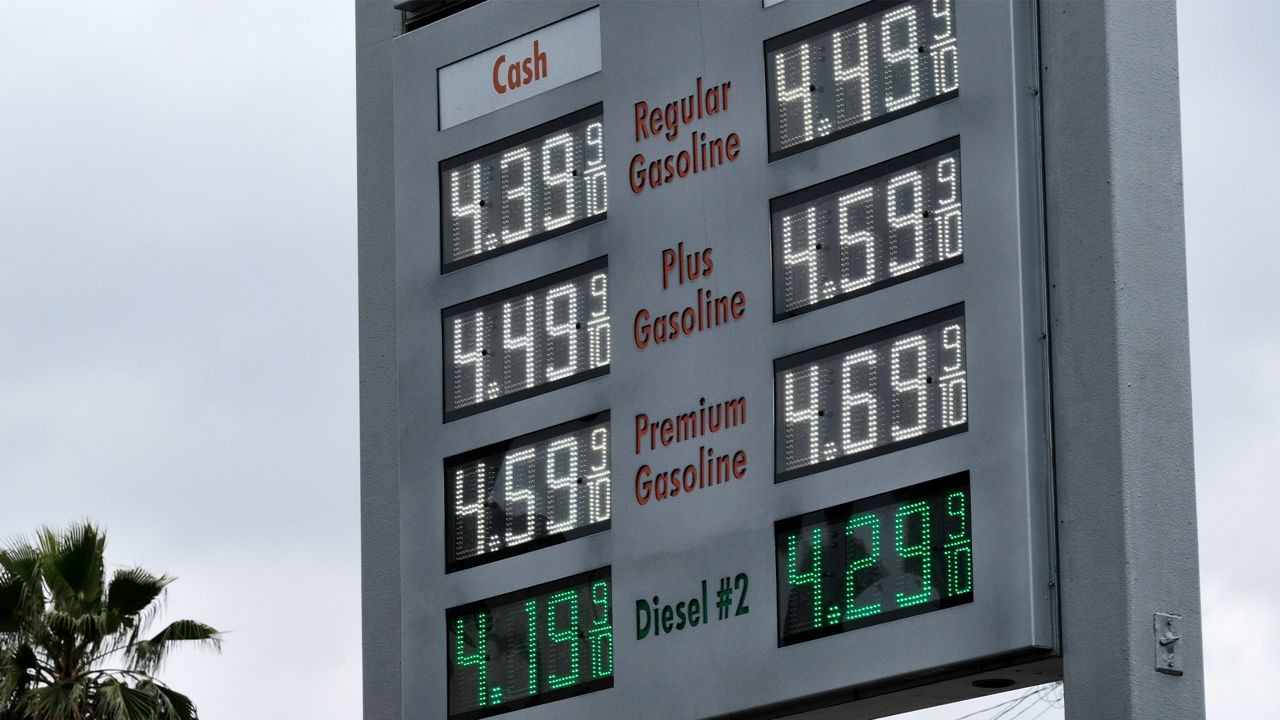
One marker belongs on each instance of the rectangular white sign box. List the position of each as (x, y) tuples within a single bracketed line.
[(518, 69)]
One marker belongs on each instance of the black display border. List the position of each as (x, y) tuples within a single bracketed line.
[(499, 296), (846, 17), (822, 352), (834, 185), (845, 511), (497, 146), (503, 447), (583, 578)]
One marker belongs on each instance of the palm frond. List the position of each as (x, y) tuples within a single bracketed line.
[(20, 558), (18, 664), (61, 624), (13, 590), (61, 701), (173, 704), (132, 590), (20, 563), (71, 563), (115, 700), (147, 655)]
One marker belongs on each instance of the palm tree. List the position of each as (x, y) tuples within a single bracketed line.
[(75, 647)]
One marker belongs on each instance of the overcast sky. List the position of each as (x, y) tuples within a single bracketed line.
[(178, 324)]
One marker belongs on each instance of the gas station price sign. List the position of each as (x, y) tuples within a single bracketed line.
[(527, 493), (867, 230), (529, 187), (886, 557), (537, 645), (863, 67), (527, 339), (875, 227), (900, 385)]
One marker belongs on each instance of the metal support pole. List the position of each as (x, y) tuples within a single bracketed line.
[(1129, 574), (377, 22)]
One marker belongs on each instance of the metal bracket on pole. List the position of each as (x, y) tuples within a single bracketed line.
[(1168, 634)]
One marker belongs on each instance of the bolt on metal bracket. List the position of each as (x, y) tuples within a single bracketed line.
[(1168, 634)]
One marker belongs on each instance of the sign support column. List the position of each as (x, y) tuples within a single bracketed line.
[(377, 23), (1121, 379)]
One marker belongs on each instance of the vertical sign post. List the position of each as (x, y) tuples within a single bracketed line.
[(1121, 377)]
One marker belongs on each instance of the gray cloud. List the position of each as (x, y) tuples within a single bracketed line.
[(178, 312)]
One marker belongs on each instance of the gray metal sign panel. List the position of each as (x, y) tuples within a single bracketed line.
[(734, 663)]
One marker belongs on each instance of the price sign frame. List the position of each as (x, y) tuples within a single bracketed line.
[(490, 149), (815, 29), (868, 506), (864, 176), (525, 288), (538, 542), (507, 599), (861, 341)]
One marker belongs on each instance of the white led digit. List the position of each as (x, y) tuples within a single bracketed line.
[(908, 56), (947, 218), (473, 355), (948, 176), (564, 178), (916, 384), (473, 476), (858, 406), (800, 93), (524, 496), (908, 218), (854, 74), (565, 329), (807, 414), (599, 501), (562, 484), (854, 241), (468, 209), (516, 197), (598, 337), (800, 249), (594, 176), (945, 57), (513, 343), (952, 383)]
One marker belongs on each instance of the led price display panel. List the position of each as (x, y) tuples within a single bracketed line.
[(886, 557), (538, 645), (890, 388), (867, 230), (523, 189), (866, 66), (530, 492), (528, 339)]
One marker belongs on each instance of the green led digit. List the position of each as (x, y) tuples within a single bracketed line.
[(959, 547), (921, 550), (871, 521), (600, 636), (813, 576), (569, 634), (531, 644), (479, 658)]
